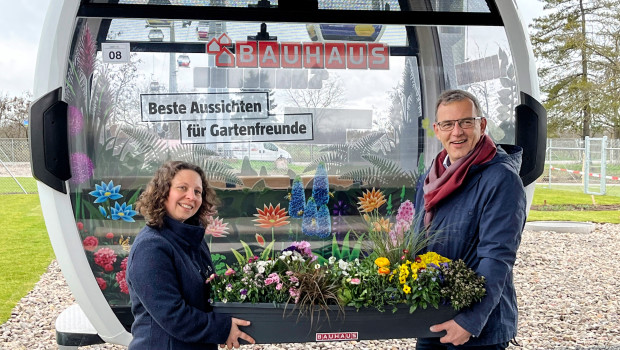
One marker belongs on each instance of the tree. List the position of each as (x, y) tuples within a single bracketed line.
[(13, 114), (571, 50)]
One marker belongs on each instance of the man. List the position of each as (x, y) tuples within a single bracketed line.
[(473, 202)]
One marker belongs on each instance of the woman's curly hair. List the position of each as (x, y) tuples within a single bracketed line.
[(151, 203)]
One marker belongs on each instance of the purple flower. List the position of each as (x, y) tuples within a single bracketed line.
[(81, 168), (76, 120), (243, 292)]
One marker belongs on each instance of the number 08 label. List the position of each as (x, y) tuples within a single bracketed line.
[(115, 52)]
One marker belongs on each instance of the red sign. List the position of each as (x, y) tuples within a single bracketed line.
[(339, 336), (272, 54)]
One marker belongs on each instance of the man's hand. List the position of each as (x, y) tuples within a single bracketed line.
[(455, 334), (236, 333)]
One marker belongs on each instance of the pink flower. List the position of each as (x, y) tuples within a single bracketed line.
[(80, 225), (217, 228), (122, 281), (124, 264), (90, 243), (405, 212), (76, 120), (102, 283), (229, 272), (109, 235), (105, 257), (82, 168), (278, 286), (355, 281)]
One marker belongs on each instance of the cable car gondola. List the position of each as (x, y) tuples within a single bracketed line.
[(411, 52), (183, 61)]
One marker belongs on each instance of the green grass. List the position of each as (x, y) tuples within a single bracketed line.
[(25, 249), (9, 186), (569, 203)]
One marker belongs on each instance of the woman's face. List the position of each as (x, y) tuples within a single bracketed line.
[(185, 196)]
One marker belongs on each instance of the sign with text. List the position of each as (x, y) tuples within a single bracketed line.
[(204, 106), (288, 127)]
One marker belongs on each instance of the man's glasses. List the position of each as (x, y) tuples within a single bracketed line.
[(465, 123)]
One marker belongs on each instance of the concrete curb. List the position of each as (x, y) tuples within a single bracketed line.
[(560, 226)]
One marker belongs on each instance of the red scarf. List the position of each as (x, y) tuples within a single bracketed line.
[(441, 182)]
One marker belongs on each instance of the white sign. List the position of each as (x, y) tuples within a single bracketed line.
[(204, 106), (289, 127), (115, 52)]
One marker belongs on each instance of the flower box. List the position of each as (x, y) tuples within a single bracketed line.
[(275, 324)]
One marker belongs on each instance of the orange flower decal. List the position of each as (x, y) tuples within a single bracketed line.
[(382, 225), (260, 239), (271, 217), (371, 200)]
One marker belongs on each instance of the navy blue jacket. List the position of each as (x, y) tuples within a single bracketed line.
[(481, 223), (166, 274)]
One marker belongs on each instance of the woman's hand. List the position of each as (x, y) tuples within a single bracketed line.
[(236, 333)]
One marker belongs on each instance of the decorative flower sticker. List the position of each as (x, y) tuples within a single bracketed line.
[(104, 192), (371, 200), (271, 217), (82, 168), (124, 212), (260, 240), (217, 228)]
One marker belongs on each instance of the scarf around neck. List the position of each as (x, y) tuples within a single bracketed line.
[(441, 181)]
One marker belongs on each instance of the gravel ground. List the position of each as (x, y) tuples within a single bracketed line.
[(567, 285)]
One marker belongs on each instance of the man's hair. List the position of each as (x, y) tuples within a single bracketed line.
[(450, 96), (151, 203)]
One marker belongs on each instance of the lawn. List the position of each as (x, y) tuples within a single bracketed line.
[(25, 249)]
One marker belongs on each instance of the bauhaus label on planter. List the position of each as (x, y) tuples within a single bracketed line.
[(284, 324)]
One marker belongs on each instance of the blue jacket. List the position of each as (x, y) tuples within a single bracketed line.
[(166, 274), (481, 223)]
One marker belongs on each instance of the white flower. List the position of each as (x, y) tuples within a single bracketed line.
[(317, 266), (343, 265), (243, 296), (332, 260), (261, 269), (224, 300)]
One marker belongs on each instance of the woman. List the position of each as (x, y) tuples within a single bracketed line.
[(169, 263)]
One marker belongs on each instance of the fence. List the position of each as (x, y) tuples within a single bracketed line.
[(567, 162), (592, 163)]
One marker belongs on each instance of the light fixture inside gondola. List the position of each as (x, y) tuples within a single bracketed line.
[(156, 34), (345, 32), (183, 61)]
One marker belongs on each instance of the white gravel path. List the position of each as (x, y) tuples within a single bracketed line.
[(567, 285)]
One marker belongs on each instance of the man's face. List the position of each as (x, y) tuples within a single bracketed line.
[(458, 141)]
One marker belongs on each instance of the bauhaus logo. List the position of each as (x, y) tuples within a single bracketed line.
[(336, 336), (272, 54)]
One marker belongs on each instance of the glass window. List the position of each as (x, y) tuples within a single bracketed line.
[(328, 111)]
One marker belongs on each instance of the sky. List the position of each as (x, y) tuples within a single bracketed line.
[(21, 24)]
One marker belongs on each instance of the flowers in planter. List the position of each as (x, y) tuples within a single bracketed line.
[(296, 276)]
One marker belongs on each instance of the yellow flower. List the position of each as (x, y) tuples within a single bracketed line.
[(371, 200), (406, 289), (402, 279), (382, 262), (432, 258)]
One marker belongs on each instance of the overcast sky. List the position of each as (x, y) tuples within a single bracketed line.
[(21, 23)]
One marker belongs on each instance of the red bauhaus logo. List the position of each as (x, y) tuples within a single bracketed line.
[(336, 336), (272, 54)]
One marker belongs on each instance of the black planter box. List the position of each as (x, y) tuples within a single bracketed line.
[(273, 324)]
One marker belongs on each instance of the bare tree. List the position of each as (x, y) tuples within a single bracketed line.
[(13, 114)]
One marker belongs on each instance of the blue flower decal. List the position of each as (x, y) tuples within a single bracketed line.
[(104, 192), (124, 212), (103, 212)]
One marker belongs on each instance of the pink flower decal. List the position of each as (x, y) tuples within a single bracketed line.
[(90, 243), (122, 281), (102, 283), (217, 228), (105, 257)]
